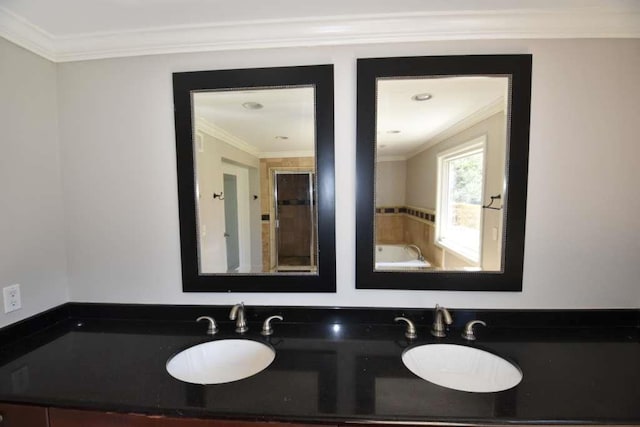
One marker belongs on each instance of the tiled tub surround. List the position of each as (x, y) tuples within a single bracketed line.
[(416, 226), (409, 225), (332, 365)]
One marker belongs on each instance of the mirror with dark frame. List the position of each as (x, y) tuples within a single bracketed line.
[(255, 161), (442, 155)]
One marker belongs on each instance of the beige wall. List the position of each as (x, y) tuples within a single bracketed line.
[(391, 177), (422, 169), (32, 233), (581, 249)]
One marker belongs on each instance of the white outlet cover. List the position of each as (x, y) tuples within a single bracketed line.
[(12, 300)]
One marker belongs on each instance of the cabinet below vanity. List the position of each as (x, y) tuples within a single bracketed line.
[(38, 416), (23, 416), (76, 418)]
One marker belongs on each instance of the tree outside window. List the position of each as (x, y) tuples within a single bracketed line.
[(461, 180)]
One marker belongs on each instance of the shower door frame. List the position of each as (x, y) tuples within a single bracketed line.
[(276, 223)]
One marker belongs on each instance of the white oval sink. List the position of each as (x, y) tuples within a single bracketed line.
[(461, 368), (220, 361)]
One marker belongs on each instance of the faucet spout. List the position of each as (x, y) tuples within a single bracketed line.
[(237, 312), (417, 249), (441, 316)]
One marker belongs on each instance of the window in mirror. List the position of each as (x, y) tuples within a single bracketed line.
[(461, 180), (439, 140), (255, 170)]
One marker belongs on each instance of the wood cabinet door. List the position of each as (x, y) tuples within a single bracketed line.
[(22, 416)]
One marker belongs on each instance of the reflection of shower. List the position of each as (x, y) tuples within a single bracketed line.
[(295, 213)]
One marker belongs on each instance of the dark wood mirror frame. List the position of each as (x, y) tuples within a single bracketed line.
[(518, 67), (319, 76)]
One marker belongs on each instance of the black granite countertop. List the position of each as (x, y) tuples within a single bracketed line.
[(585, 372)]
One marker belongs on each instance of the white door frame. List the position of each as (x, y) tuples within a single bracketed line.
[(244, 222)]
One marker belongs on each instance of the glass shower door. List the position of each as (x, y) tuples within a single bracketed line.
[(295, 224)]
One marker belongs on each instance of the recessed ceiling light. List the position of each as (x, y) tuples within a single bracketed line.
[(281, 137), (422, 97), (251, 105), (393, 131)]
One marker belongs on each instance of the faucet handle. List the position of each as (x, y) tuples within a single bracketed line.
[(411, 328), (213, 328), (266, 326), (468, 334)]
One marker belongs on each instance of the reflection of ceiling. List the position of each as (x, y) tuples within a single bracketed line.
[(456, 103), (285, 112)]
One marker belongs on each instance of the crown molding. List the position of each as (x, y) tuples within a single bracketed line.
[(23, 33), (398, 158), (286, 154), (205, 126), (588, 22), (465, 123), (214, 131)]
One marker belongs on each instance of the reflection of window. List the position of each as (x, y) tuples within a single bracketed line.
[(460, 187)]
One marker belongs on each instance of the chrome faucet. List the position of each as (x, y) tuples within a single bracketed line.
[(237, 311), (440, 317), (418, 251)]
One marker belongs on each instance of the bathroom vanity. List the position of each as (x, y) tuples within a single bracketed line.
[(100, 364)]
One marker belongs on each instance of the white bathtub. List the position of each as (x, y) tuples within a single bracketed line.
[(398, 256)]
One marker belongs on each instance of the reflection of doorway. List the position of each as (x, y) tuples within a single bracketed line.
[(231, 221), (294, 195), (237, 227)]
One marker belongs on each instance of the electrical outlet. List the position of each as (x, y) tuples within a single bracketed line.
[(12, 301)]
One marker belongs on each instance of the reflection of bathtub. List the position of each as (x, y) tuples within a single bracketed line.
[(398, 256)]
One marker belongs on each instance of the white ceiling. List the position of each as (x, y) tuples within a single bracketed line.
[(405, 126), (68, 30), (285, 112)]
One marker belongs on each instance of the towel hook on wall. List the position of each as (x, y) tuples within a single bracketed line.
[(219, 195), (493, 199)]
